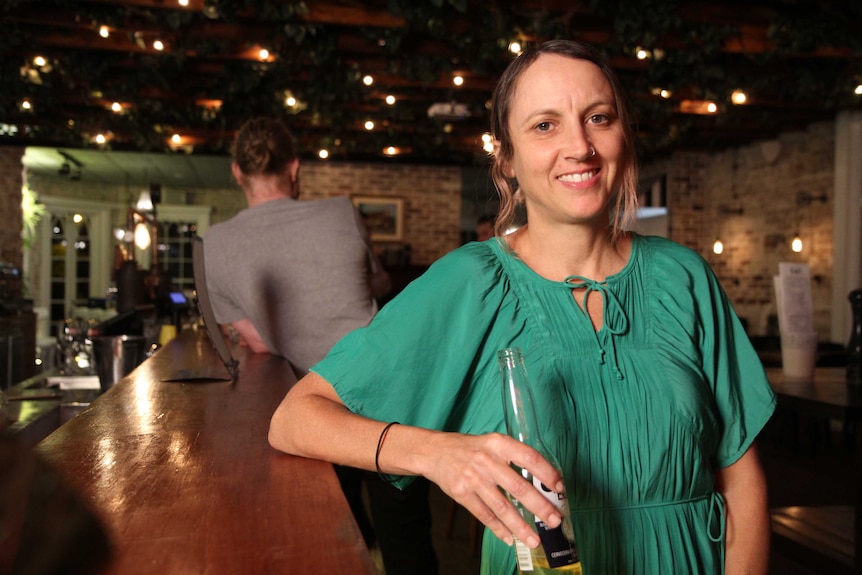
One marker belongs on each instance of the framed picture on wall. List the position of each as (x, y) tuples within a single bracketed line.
[(384, 217)]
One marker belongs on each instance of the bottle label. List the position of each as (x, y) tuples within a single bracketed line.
[(525, 558), (558, 548)]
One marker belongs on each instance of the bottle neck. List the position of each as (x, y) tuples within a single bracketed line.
[(520, 411)]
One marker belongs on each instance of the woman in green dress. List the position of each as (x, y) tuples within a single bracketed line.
[(647, 388)]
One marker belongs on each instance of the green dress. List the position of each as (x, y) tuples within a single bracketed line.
[(640, 414)]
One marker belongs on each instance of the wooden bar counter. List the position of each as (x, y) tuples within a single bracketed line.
[(184, 481)]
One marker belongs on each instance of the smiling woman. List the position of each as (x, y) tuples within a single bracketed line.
[(646, 386)]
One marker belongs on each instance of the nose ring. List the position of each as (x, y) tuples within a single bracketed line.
[(590, 155)]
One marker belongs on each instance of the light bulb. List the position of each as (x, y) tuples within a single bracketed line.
[(717, 247), (796, 244)]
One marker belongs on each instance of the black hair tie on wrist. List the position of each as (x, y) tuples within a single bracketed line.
[(384, 476)]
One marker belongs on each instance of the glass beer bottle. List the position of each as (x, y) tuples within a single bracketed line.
[(557, 552)]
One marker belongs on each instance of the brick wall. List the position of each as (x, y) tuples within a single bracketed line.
[(704, 191), (11, 182), (431, 194)]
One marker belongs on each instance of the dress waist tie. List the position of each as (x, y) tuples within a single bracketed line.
[(715, 519)]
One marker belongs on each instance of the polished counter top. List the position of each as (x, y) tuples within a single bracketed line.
[(182, 477)]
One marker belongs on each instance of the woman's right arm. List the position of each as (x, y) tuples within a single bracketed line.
[(312, 421)]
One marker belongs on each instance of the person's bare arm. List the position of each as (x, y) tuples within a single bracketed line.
[(378, 280), (250, 335), (312, 421), (743, 486)]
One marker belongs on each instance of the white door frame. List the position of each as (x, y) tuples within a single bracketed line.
[(847, 217)]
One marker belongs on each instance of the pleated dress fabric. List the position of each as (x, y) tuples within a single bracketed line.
[(640, 413)]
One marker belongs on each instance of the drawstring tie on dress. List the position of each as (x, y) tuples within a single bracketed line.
[(614, 318)]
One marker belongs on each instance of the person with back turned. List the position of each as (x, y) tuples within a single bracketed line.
[(648, 392), (292, 277)]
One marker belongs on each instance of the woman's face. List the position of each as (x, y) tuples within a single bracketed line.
[(562, 109)]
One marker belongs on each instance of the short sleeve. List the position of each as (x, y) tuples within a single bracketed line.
[(417, 360), (743, 396)]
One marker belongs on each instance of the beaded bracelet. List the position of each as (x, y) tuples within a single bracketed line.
[(384, 476)]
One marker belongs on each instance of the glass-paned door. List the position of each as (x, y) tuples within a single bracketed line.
[(70, 264), (175, 252)]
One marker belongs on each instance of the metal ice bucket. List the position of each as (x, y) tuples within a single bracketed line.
[(117, 356)]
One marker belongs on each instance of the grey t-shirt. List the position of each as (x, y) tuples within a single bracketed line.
[(298, 270)]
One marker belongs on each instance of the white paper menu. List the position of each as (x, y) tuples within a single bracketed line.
[(793, 298)]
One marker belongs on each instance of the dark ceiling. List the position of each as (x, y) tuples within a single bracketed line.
[(798, 61)]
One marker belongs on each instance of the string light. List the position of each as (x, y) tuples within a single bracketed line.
[(458, 80), (642, 53), (369, 125), (858, 90), (116, 107), (183, 3), (263, 54), (104, 31), (158, 45), (39, 61), (488, 143), (711, 107), (515, 47), (367, 80), (738, 97), (101, 139), (176, 139), (323, 154), (717, 247), (390, 99)]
